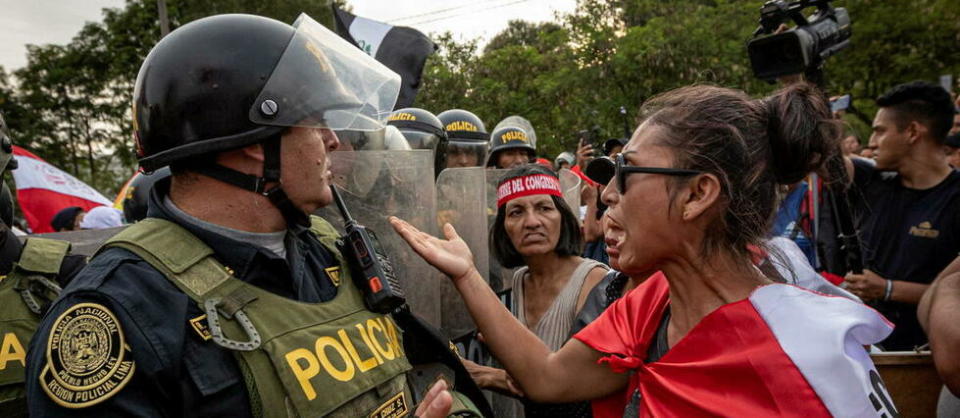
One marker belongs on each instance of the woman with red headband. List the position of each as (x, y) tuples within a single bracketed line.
[(537, 233), (707, 334)]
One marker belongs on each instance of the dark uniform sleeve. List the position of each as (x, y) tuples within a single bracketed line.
[(119, 343), (82, 334)]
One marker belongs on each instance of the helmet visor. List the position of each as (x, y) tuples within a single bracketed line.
[(322, 81), (465, 153), (421, 140)]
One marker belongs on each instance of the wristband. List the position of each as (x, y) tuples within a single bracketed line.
[(889, 291)]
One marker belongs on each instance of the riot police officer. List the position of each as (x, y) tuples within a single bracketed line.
[(564, 160), (467, 136), (137, 192), (31, 276), (422, 130), (229, 299), (510, 147)]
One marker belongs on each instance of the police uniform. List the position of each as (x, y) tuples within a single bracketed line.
[(32, 282), (422, 130), (467, 137), (175, 369), (31, 276), (508, 138), (178, 317)]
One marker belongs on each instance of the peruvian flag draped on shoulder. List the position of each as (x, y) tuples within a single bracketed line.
[(43, 190), (784, 351), (403, 50)]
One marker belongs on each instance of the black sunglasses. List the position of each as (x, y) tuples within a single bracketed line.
[(621, 169)]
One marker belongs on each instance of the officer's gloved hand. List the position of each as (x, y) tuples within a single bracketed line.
[(437, 403)]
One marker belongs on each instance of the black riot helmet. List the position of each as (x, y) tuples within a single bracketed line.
[(467, 136), (7, 162), (137, 193), (422, 130), (228, 81), (509, 138)]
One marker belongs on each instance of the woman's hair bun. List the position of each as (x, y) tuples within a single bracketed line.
[(802, 131)]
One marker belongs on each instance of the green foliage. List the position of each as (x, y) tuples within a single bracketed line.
[(612, 53), (71, 104)]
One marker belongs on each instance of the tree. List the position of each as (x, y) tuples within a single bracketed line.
[(72, 102), (612, 53), (447, 75)]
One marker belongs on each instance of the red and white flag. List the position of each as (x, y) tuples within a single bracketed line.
[(43, 190), (784, 351)]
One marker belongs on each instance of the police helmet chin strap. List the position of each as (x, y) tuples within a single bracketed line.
[(271, 174)]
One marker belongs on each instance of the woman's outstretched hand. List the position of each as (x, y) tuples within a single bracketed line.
[(452, 256)]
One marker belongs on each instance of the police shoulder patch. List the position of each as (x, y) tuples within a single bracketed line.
[(88, 360)]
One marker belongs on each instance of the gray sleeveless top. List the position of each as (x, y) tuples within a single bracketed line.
[(555, 324)]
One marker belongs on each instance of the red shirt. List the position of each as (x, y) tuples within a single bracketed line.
[(731, 363)]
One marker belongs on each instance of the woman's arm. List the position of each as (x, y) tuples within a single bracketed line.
[(938, 312), (592, 230), (492, 378), (570, 374)]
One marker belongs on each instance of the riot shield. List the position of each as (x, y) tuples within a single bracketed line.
[(519, 122), (570, 183), (461, 201), (378, 184), (465, 153), (499, 277), (84, 242)]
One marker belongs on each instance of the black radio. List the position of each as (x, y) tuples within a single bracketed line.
[(371, 269)]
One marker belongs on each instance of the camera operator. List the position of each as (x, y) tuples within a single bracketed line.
[(908, 225)]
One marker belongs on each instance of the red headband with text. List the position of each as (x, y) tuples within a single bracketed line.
[(527, 186)]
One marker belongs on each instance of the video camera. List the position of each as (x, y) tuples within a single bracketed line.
[(800, 49)]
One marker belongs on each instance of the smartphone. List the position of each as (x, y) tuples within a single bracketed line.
[(841, 103)]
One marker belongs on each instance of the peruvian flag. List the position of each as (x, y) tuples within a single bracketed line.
[(783, 351), (43, 190)]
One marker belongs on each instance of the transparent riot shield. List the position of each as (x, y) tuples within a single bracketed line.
[(570, 183), (84, 242), (378, 184), (461, 202), (500, 276)]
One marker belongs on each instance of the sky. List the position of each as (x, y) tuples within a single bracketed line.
[(40, 22)]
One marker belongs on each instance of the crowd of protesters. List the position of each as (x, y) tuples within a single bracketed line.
[(708, 268)]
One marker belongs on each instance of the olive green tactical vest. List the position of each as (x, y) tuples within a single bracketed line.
[(30, 285), (298, 359)]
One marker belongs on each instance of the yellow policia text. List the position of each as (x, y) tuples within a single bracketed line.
[(343, 355), (402, 116), (515, 136), (462, 126), (11, 350)]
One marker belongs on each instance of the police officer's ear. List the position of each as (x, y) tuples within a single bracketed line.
[(253, 151), (247, 160)]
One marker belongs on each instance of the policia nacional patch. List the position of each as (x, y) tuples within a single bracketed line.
[(88, 360)]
